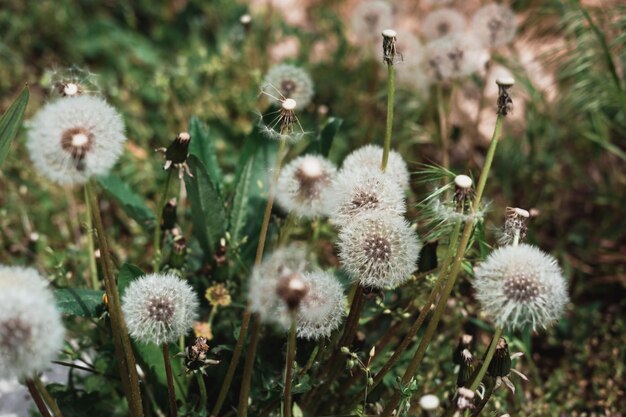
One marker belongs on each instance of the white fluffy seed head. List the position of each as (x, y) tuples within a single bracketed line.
[(356, 192), (494, 25), (74, 138), (411, 71), (368, 20), (519, 286), (292, 83), (303, 185), (443, 22), (159, 308), (379, 249), (265, 279), (369, 158), (31, 331), (455, 56), (323, 308)]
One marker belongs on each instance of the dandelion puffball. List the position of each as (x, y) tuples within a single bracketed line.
[(494, 25), (455, 56), (289, 82), (304, 184), (31, 331), (354, 193), (442, 22), (379, 250), (520, 285), (159, 308), (369, 18), (323, 308), (369, 158), (74, 138)]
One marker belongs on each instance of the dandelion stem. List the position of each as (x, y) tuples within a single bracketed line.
[(291, 353), (159, 217), (483, 402), (242, 409), (121, 341), (202, 388), (41, 405), (443, 128), (56, 411), (170, 380), (390, 103), (456, 267), (93, 269), (486, 360)]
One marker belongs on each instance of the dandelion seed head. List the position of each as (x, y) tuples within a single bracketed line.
[(519, 286), (72, 139), (443, 22), (379, 249), (369, 19), (455, 56), (293, 83), (369, 157), (323, 308), (494, 25), (159, 308), (303, 185), (354, 193), (72, 82), (411, 70), (31, 330)]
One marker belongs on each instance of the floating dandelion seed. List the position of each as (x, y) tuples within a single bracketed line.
[(379, 250), (303, 185), (520, 285), (159, 308), (354, 193), (455, 56), (73, 82), (291, 82), (72, 139), (443, 22), (368, 157), (31, 331), (369, 19), (323, 308), (494, 25)]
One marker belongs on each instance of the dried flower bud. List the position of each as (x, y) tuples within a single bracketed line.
[(178, 255), (389, 46), (500, 364), (505, 103), (465, 342), (292, 288), (218, 295), (466, 369), (245, 21), (168, 217), (515, 226), (463, 191), (196, 357)]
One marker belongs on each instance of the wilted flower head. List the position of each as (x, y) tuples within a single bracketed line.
[(443, 22), (31, 331), (73, 82), (283, 124), (455, 56), (520, 285), (303, 185), (218, 295), (159, 308), (500, 365), (196, 357), (369, 158), (176, 154), (515, 226), (369, 18), (354, 193), (291, 82), (494, 25), (323, 308), (72, 139), (379, 249)]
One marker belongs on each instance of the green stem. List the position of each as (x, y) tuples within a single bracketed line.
[(456, 267), (486, 360), (291, 353), (202, 388), (91, 247), (390, 103), (121, 341), (41, 405), (242, 409), (443, 127), (56, 411), (170, 381), (159, 217), (489, 387)]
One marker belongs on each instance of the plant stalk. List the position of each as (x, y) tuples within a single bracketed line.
[(159, 217), (91, 247), (170, 381), (56, 411), (291, 354), (202, 388), (390, 104), (242, 409), (41, 405), (443, 128)]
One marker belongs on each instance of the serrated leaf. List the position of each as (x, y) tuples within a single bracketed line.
[(82, 302), (207, 208), (203, 146), (127, 274), (239, 210), (11, 121), (130, 201)]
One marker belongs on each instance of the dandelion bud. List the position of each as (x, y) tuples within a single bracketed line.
[(178, 255), (370, 381), (372, 351), (466, 368), (245, 21), (505, 103), (500, 364), (389, 46), (345, 350), (168, 218), (292, 288), (196, 357), (465, 342), (218, 295), (350, 364), (465, 399)]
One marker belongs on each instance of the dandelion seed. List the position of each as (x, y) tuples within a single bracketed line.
[(494, 25), (72, 139), (159, 308), (354, 193), (519, 286), (73, 82), (368, 157), (378, 249), (323, 308), (303, 185), (31, 331), (369, 19), (455, 56), (443, 22), (291, 82)]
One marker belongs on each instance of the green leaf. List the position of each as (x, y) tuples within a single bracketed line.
[(11, 121), (239, 210), (207, 207), (150, 356), (81, 302), (327, 135), (130, 201), (128, 273), (203, 146)]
